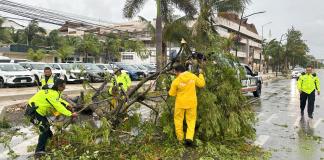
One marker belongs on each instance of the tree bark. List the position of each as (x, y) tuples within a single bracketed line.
[(158, 37)]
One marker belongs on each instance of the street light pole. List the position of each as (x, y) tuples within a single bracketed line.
[(239, 29), (278, 53), (262, 45)]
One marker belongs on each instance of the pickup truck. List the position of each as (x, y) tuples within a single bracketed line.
[(252, 82)]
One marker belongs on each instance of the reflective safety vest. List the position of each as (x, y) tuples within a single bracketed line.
[(48, 101), (49, 82), (308, 83), (124, 79)]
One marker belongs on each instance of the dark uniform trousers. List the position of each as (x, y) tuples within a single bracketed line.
[(311, 99), (45, 132)]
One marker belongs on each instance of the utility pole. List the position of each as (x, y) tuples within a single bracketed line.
[(262, 52), (239, 29)]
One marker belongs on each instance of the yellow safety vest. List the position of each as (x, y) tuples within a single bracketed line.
[(49, 83), (308, 83), (48, 101)]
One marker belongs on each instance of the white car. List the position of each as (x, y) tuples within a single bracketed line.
[(106, 67), (71, 72), (37, 68), (13, 74), (297, 72)]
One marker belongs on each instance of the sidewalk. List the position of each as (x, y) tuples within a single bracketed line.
[(270, 76)]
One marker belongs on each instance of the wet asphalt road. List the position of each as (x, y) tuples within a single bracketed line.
[(279, 128)]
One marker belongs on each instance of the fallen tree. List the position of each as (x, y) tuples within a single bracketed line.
[(224, 126)]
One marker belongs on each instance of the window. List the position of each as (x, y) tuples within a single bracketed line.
[(248, 70), (128, 57)]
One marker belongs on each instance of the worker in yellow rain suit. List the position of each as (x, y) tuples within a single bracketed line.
[(184, 88), (307, 84), (44, 103), (121, 80)]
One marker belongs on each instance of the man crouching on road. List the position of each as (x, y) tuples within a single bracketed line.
[(44, 103), (184, 88), (307, 84)]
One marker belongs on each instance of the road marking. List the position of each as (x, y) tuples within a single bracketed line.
[(317, 123), (261, 140), (271, 117), (297, 121)]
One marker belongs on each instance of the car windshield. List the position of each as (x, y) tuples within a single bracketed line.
[(141, 67), (127, 67), (11, 67), (38, 66), (91, 67), (66, 66), (109, 66), (101, 66), (149, 67)]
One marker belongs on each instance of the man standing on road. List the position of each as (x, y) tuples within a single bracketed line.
[(307, 84), (44, 103), (184, 88)]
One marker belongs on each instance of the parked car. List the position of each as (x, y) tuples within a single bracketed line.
[(37, 68), (297, 72), (150, 68), (72, 73), (141, 68), (4, 59), (106, 67), (134, 73), (252, 81), (13, 74), (94, 73)]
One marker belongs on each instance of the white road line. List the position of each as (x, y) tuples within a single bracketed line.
[(317, 123), (261, 140), (297, 121), (271, 117)]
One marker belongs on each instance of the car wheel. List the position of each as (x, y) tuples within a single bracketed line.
[(2, 85), (257, 93)]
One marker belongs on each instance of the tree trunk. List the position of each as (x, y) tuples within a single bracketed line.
[(164, 54), (158, 37)]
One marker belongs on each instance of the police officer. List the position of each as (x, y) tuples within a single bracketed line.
[(307, 84), (48, 79), (43, 104), (121, 80)]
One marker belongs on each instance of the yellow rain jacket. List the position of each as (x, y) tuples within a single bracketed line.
[(308, 83), (184, 87), (48, 102)]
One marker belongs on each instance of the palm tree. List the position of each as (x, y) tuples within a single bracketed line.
[(33, 30), (173, 31), (90, 44), (204, 24), (164, 10), (65, 51)]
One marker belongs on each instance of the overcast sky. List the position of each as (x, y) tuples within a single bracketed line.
[(305, 15)]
